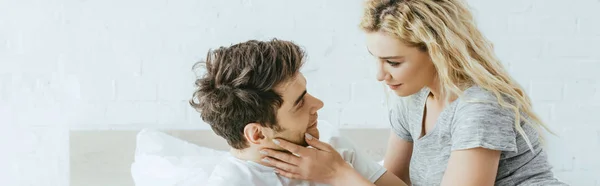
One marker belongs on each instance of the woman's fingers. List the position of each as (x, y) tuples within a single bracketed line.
[(283, 156), (317, 144), (289, 168), (293, 148), (288, 174)]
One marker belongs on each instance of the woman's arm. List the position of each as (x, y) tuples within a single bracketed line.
[(397, 157), (481, 131), (389, 179), (476, 166), (351, 177)]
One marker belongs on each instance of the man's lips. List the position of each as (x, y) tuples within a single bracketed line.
[(314, 120), (313, 124)]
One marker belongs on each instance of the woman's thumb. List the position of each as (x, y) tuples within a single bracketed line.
[(314, 142)]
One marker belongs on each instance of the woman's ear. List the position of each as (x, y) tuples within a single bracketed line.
[(253, 132)]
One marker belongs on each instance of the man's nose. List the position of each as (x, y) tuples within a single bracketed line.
[(318, 104)]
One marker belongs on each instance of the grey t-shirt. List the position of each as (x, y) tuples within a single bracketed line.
[(465, 124)]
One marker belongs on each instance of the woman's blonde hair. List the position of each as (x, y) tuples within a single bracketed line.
[(460, 53)]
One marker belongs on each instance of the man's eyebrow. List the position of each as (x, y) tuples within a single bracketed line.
[(299, 98)]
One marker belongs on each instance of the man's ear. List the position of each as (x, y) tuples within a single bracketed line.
[(253, 132)]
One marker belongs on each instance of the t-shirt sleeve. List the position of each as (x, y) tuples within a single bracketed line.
[(360, 161), (484, 124), (398, 120)]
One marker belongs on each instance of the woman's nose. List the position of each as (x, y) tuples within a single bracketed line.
[(381, 74)]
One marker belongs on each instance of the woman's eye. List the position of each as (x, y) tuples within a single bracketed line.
[(393, 64)]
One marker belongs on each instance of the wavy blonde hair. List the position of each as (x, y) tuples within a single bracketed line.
[(460, 53)]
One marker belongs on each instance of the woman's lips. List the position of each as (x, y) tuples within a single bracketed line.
[(394, 87)]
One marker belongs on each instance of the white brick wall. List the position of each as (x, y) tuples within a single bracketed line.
[(73, 65)]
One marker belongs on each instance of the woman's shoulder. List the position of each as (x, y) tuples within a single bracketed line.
[(478, 101), (475, 92)]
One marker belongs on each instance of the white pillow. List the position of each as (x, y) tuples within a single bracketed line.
[(164, 160)]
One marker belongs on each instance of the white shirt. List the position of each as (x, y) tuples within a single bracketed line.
[(234, 171)]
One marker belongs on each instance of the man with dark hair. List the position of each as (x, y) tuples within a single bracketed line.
[(243, 92), (252, 93)]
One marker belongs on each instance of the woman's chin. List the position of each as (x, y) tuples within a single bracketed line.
[(401, 93), (404, 92)]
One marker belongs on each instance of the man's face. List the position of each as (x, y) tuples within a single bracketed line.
[(298, 113)]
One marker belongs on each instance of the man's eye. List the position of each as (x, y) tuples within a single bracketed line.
[(301, 103)]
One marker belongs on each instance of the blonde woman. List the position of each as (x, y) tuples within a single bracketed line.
[(460, 120)]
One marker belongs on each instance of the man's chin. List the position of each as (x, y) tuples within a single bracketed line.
[(301, 141), (313, 132)]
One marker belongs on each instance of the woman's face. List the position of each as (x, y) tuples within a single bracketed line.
[(405, 69)]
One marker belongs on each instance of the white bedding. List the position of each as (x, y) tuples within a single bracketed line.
[(164, 160)]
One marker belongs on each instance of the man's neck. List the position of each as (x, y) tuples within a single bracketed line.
[(249, 154)]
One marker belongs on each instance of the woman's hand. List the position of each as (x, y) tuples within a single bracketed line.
[(322, 164)]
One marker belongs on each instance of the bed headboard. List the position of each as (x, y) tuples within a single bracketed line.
[(104, 157)]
